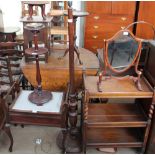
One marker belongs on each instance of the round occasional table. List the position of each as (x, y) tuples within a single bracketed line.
[(8, 33), (38, 96)]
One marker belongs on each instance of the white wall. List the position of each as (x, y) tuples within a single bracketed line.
[(11, 10), (77, 6)]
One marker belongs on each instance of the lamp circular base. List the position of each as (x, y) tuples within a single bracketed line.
[(40, 99), (68, 143)]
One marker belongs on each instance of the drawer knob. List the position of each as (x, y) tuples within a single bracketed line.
[(96, 27), (95, 36), (94, 47), (123, 18), (96, 17), (122, 27)]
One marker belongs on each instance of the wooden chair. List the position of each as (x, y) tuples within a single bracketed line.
[(10, 71), (3, 119), (59, 27)]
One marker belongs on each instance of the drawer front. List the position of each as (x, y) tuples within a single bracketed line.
[(105, 31), (51, 119), (99, 36), (97, 28), (93, 45), (100, 26), (101, 19)]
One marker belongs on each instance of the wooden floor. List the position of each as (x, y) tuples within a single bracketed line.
[(55, 73)]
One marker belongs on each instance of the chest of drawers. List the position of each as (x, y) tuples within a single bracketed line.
[(105, 19)]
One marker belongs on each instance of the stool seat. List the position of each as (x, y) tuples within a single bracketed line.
[(23, 103), (52, 113)]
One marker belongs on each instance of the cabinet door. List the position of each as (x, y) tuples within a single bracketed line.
[(146, 13), (98, 7), (123, 8)]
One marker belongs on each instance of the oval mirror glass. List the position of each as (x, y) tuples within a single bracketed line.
[(122, 51)]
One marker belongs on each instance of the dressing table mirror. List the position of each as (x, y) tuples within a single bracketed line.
[(121, 52)]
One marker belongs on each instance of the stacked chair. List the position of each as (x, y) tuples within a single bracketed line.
[(10, 58)]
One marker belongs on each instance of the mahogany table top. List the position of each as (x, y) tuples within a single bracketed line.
[(55, 73)]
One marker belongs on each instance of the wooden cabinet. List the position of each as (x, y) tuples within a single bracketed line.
[(146, 13), (115, 124), (105, 19)]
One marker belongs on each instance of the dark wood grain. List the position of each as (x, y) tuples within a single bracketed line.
[(124, 114), (38, 96), (117, 124), (39, 118), (10, 58), (113, 136), (144, 31), (124, 88), (57, 70), (105, 19), (42, 36), (3, 119)]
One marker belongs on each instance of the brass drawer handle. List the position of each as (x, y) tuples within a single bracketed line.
[(122, 27), (96, 17), (123, 18), (94, 47), (96, 27), (95, 36)]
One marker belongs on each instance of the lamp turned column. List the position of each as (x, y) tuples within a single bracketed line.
[(69, 140)]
